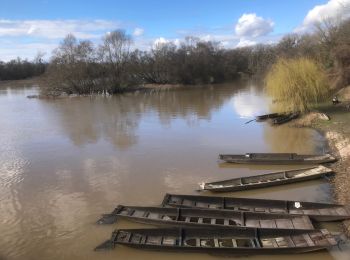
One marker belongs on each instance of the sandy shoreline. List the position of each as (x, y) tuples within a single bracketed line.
[(337, 133), (340, 146)]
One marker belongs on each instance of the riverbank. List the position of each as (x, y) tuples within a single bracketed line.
[(43, 94), (337, 132)]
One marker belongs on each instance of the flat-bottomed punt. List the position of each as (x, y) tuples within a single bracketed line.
[(277, 158), (285, 118), (267, 180), (316, 211), (268, 116), (222, 241), (207, 218)]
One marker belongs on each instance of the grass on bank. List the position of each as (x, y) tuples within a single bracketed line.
[(296, 84)]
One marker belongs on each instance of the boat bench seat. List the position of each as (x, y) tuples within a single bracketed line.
[(169, 241), (154, 240)]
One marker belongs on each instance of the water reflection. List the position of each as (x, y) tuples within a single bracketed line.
[(116, 119), (250, 102), (287, 139)]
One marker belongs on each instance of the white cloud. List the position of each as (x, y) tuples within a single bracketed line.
[(157, 43), (177, 42), (56, 29), (24, 38), (12, 49), (207, 38), (160, 40), (333, 9), (251, 25), (138, 32), (245, 43)]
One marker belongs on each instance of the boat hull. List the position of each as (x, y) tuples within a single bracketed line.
[(228, 251), (207, 218), (222, 241), (316, 211), (277, 159), (267, 180)]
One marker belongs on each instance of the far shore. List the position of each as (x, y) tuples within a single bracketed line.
[(36, 81), (20, 83)]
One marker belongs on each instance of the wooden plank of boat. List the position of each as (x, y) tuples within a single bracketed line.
[(286, 118), (277, 158), (267, 180), (316, 211), (222, 240), (207, 218)]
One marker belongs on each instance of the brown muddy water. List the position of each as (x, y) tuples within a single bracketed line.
[(64, 162)]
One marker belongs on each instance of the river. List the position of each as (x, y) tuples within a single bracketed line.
[(64, 162)]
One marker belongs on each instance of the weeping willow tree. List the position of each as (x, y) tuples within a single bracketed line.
[(296, 84)]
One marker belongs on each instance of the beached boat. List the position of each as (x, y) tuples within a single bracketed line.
[(222, 241), (267, 116), (276, 158), (267, 180), (316, 211), (286, 118), (207, 218)]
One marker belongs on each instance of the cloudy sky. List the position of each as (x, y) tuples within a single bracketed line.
[(29, 26)]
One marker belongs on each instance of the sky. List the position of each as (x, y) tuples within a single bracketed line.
[(28, 26)]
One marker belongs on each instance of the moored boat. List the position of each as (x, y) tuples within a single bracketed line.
[(222, 240), (206, 218), (277, 158), (316, 211), (286, 118), (267, 116), (267, 180)]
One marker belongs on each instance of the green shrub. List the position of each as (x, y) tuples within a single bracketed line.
[(296, 84)]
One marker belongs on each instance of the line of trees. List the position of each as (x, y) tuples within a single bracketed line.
[(22, 69), (80, 67)]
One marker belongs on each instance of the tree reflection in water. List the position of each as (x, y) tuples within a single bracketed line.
[(116, 118)]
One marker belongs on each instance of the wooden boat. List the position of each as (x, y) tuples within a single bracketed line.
[(207, 218), (276, 158), (267, 116), (286, 118), (316, 211), (222, 241), (267, 180)]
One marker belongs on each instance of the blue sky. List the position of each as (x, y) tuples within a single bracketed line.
[(27, 27)]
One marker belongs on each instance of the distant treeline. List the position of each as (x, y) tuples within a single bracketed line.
[(80, 67), (21, 69)]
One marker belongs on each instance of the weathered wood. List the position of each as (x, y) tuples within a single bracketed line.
[(316, 211), (208, 218), (223, 240), (276, 158), (266, 180)]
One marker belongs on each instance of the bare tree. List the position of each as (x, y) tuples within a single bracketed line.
[(114, 53), (72, 68)]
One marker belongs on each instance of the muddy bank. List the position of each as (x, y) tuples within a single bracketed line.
[(337, 132), (340, 146)]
